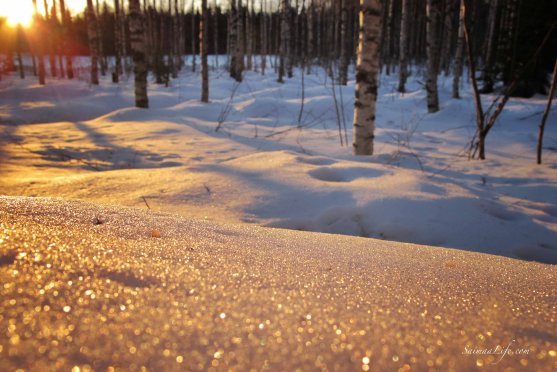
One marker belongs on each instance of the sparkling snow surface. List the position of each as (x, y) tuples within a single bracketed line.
[(88, 285)]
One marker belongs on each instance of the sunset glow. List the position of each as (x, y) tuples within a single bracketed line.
[(19, 12)]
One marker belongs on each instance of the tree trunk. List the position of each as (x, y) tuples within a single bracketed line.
[(366, 77), (118, 43), (240, 47), (344, 57), (249, 36), (19, 42), (403, 59), (546, 113), (171, 36), (178, 36), (193, 41), (284, 39), (264, 40), (480, 118), (100, 30), (319, 36), (203, 45), (433, 15), (93, 41), (216, 14), (58, 33), (50, 40), (40, 45), (447, 36), (124, 43), (233, 40), (458, 62), (388, 56), (289, 48), (137, 36), (66, 22), (489, 56), (310, 36), (34, 63)]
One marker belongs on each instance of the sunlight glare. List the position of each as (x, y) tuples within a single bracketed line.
[(17, 12)]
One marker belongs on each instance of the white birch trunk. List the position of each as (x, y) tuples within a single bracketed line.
[(366, 76), (240, 47), (458, 61), (93, 41), (284, 39), (344, 59), (233, 39), (118, 42), (433, 15), (137, 36), (403, 59), (203, 45)]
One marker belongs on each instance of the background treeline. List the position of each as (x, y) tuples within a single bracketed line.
[(504, 35)]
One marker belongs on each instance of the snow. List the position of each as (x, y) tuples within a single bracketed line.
[(92, 285), (263, 167)]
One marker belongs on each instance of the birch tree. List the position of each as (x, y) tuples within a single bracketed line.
[(171, 32), (284, 39), (178, 39), (458, 61), (193, 46), (66, 24), (367, 69), (58, 36), (310, 35), (433, 15), (233, 41), (249, 34), (19, 47), (403, 59), (240, 46), (203, 45), (388, 29), (100, 29), (489, 56), (137, 36), (288, 42), (118, 43), (39, 44), (546, 113), (49, 35), (264, 46), (216, 15), (445, 52), (344, 59), (93, 42)]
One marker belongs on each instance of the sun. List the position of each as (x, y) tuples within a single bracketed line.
[(17, 12)]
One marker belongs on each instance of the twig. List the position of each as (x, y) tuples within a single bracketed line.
[(147, 204), (343, 116), (480, 118), (546, 113), (303, 97), (336, 109), (226, 110)]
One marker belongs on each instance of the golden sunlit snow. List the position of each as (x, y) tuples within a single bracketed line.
[(81, 293)]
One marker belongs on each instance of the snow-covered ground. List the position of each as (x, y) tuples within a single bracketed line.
[(266, 167), (87, 286)]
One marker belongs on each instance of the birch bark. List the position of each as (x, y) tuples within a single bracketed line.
[(366, 76), (137, 36)]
